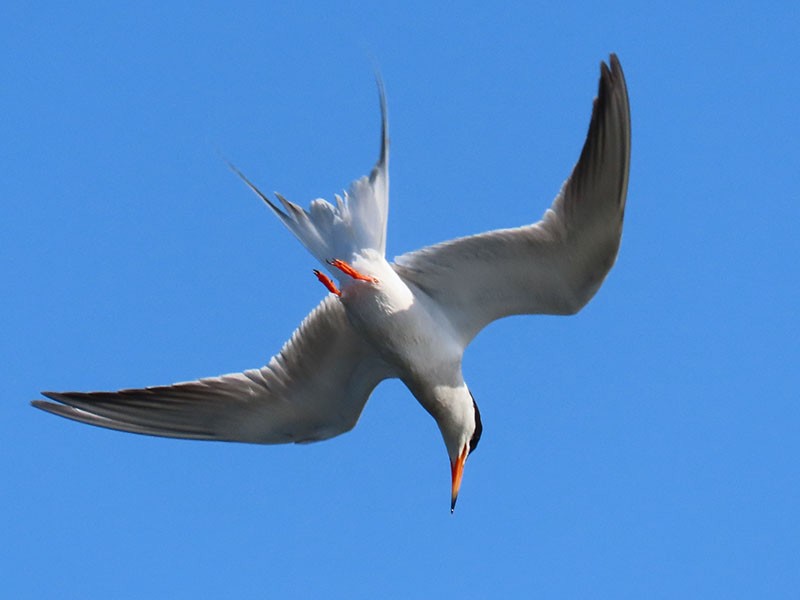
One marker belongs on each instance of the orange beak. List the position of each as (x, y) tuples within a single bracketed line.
[(457, 470)]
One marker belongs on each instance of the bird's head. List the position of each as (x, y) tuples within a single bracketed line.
[(461, 429)]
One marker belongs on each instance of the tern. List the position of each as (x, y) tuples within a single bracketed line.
[(410, 319)]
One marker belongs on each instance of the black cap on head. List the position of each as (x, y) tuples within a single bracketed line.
[(476, 436)]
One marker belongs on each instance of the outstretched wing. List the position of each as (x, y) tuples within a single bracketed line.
[(357, 222), (556, 265), (314, 389)]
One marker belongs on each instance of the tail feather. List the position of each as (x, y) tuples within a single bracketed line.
[(354, 224)]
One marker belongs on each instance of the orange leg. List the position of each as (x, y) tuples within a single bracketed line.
[(326, 281), (348, 270)]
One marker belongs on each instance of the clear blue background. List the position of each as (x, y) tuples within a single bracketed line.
[(646, 448)]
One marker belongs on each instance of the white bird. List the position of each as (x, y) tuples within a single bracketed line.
[(411, 319)]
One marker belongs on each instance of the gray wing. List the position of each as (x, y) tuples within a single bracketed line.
[(554, 266), (313, 389)]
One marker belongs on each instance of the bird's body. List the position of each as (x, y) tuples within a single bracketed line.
[(406, 328), (411, 319), (409, 331)]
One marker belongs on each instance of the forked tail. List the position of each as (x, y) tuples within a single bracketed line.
[(355, 223)]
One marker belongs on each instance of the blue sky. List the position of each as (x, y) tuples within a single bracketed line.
[(647, 447)]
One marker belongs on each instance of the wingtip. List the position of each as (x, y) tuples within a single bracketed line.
[(55, 401), (54, 408), (605, 70), (612, 70), (612, 82)]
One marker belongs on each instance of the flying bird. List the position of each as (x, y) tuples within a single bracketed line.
[(409, 319)]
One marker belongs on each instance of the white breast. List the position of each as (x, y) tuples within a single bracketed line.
[(405, 326)]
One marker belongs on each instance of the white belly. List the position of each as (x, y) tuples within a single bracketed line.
[(405, 327)]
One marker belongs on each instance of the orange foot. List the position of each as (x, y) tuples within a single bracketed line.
[(326, 281), (348, 270)]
